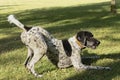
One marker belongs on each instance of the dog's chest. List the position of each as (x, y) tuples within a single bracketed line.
[(57, 53)]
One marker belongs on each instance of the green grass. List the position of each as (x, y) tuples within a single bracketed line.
[(62, 18)]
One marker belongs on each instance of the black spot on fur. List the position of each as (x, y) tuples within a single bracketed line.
[(67, 47), (27, 28)]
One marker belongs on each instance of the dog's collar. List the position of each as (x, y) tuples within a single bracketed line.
[(80, 44), (76, 43)]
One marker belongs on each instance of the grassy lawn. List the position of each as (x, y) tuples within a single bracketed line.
[(62, 18)]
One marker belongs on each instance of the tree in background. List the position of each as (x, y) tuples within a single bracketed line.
[(113, 6)]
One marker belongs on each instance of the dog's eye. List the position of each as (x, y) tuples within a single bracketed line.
[(89, 38), (79, 38)]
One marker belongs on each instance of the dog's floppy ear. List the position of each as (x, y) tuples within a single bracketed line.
[(83, 35), (80, 36)]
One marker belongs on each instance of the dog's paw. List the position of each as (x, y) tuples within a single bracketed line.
[(39, 76), (107, 68)]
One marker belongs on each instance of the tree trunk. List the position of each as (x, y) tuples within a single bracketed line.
[(113, 6)]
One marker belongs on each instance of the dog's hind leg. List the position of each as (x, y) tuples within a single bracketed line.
[(38, 54), (37, 49), (29, 56)]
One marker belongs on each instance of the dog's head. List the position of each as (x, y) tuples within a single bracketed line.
[(86, 39)]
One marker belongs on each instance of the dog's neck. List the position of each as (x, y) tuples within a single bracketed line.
[(80, 44), (76, 43)]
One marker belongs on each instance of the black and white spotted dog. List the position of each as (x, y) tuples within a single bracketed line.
[(62, 53)]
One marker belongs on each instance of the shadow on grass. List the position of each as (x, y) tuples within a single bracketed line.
[(71, 18), (100, 74), (68, 19), (10, 43)]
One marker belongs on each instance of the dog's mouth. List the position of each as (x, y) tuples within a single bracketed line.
[(94, 45)]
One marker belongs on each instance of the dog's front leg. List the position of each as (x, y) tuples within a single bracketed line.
[(77, 63), (90, 57), (76, 59), (93, 67)]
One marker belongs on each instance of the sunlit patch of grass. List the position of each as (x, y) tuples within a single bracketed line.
[(15, 5)]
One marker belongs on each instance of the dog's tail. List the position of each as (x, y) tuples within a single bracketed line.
[(12, 19)]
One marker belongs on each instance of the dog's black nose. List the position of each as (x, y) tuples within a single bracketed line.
[(98, 42)]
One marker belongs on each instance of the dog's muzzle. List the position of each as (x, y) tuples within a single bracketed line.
[(96, 43)]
